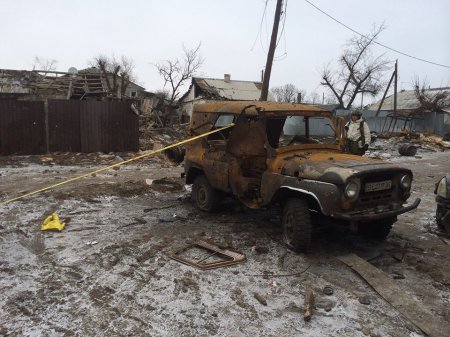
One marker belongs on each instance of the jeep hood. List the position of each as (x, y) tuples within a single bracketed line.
[(330, 167)]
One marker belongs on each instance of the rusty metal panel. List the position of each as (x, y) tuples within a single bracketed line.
[(123, 128), (22, 127), (64, 125), (108, 127), (90, 116)]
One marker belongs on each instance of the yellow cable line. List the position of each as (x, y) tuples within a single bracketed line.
[(114, 165)]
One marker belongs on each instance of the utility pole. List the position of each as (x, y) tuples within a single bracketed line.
[(271, 53), (395, 87)]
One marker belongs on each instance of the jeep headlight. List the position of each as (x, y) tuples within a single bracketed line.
[(351, 190), (442, 188), (405, 182)]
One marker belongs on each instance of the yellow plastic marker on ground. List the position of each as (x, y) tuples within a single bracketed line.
[(4, 202), (52, 223)]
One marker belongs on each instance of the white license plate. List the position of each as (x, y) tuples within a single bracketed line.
[(378, 186)]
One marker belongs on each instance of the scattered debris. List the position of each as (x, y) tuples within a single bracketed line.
[(436, 141), (261, 249), (52, 223), (309, 303), (223, 257), (260, 298), (281, 275), (364, 300), (141, 221), (165, 185), (91, 243), (396, 275), (399, 299), (407, 150), (327, 290), (379, 155), (324, 304)]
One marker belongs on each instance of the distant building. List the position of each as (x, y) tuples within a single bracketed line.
[(407, 101), (409, 114), (96, 82), (202, 89), (87, 83), (15, 84)]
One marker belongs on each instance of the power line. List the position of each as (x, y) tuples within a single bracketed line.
[(260, 25), (281, 35), (378, 43)]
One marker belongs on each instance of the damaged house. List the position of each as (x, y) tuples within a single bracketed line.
[(202, 89), (426, 111), (89, 83), (74, 111)]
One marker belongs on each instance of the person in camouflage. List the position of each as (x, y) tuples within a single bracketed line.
[(357, 137)]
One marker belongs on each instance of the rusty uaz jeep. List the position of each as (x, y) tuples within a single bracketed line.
[(291, 154)]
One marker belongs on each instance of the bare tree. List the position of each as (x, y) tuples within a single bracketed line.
[(285, 93), (314, 98), (162, 95), (429, 100), (330, 99), (359, 72), (44, 65), (118, 74), (176, 72)]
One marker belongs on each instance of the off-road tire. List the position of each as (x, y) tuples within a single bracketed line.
[(439, 213), (378, 229), (206, 198), (297, 225)]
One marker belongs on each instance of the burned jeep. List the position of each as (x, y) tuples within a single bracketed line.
[(442, 192), (291, 155)]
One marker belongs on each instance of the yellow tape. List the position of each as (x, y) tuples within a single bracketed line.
[(115, 165)]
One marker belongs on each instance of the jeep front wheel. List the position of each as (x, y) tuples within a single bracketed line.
[(297, 225), (204, 195)]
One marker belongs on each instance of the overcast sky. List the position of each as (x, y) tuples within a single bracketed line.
[(73, 32)]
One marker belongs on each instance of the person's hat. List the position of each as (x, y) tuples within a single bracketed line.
[(356, 112)]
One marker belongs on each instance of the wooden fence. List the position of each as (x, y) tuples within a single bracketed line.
[(28, 127)]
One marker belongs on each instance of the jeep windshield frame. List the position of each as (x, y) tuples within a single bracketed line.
[(293, 132), (269, 112)]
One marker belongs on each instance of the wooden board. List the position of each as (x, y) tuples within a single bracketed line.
[(391, 292)]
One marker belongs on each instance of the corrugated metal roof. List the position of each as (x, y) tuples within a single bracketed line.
[(232, 90), (406, 100)]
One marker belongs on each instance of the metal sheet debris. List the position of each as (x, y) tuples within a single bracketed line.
[(215, 257)]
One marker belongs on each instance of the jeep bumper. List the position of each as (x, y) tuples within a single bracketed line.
[(375, 215)]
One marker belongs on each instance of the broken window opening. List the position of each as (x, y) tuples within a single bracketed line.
[(298, 130), (221, 121)]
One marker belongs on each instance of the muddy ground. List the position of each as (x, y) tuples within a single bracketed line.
[(108, 273)]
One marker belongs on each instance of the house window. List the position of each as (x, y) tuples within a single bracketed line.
[(133, 93)]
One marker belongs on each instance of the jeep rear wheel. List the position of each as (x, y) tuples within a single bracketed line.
[(205, 197), (379, 229), (297, 225)]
